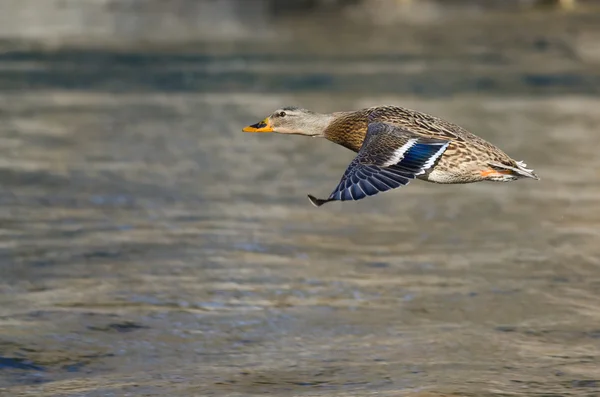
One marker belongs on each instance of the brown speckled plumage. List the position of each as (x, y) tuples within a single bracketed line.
[(464, 151), (395, 145)]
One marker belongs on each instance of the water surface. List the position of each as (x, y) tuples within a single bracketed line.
[(150, 248)]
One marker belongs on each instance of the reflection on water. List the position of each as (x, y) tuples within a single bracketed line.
[(149, 247)]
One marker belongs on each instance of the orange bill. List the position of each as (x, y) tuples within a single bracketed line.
[(261, 126)]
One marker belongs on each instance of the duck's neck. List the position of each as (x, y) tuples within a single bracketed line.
[(347, 129), (315, 124)]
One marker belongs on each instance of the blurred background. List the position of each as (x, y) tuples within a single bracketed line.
[(149, 247)]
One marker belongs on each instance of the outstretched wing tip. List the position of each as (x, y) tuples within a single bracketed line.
[(316, 201)]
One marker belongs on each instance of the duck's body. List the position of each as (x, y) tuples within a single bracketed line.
[(396, 145)]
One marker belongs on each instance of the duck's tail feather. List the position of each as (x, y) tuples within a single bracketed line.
[(520, 170)]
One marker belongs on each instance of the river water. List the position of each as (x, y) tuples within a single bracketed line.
[(151, 248)]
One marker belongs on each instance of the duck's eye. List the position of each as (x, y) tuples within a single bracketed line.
[(281, 114)]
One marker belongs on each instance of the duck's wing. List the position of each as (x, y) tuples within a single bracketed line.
[(389, 158)]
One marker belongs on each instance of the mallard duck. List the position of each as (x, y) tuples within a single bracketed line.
[(396, 145)]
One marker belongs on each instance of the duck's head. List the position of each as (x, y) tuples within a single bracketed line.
[(292, 120)]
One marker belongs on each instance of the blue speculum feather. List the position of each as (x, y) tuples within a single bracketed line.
[(417, 156)]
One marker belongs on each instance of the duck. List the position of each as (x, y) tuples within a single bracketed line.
[(394, 146)]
